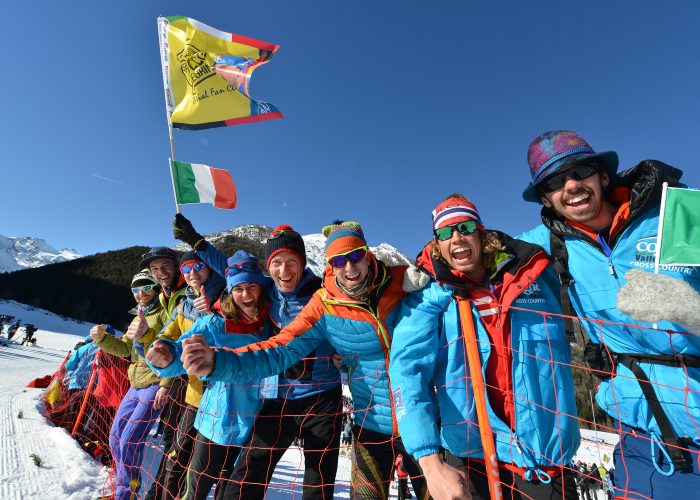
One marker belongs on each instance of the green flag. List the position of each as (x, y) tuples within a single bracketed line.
[(680, 234)]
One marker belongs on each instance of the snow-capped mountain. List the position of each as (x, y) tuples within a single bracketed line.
[(314, 243), (23, 253)]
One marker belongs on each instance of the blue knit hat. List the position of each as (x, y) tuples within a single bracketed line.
[(243, 267)]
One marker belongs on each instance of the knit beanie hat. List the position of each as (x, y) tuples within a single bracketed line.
[(190, 256), (453, 211), (284, 239), (343, 237), (243, 267), (143, 278)]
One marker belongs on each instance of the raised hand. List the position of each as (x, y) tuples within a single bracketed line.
[(183, 230), (197, 357), (159, 355), (201, 303), (138, 326), (97, 333)]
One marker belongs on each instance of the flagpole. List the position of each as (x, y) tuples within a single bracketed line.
[(659, 232), (165, 66), (172, 181)]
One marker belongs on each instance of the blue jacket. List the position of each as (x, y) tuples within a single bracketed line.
[(310, 376), (226, 412), (429, 371), (360, 332), (599, 272), (79, 365)]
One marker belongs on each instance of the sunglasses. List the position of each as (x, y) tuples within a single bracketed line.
[(145, 288), (577, 172), (239, 268), (278, 233), (445, 233), (352, 257), (188, 268)]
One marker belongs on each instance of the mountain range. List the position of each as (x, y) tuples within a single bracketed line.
[(315, 246), (28, 252)]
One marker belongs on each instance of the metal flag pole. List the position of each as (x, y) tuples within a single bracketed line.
[(165, 65), (659, 232)]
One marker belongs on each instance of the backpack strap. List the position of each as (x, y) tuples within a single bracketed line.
[(560, 260)]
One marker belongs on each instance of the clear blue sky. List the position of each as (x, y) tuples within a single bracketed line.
[(389, 106)]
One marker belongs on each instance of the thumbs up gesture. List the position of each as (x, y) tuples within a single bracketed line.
[(197, 357), (97, 333), (138, 326), (201, 303)]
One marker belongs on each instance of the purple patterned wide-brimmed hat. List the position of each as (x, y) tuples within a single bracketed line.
[(559, 149)]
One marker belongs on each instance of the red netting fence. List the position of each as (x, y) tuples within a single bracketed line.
[(180, 451)]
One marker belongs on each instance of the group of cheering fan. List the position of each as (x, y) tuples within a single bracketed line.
[(461, 364)]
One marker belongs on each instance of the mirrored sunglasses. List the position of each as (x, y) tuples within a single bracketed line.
[(145, 288), (445, 233), (234, 269), (188, 268), (352, 257), (558, 179)]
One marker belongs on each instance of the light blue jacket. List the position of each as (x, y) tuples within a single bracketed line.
[(79, 365), (429, 371), (360, 334), (311, 376), (599, 273), (226, 412)]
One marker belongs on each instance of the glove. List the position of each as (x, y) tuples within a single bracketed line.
[(183, 230), (414, 279), (656, 297)]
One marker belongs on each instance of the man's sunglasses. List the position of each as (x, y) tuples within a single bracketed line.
[(234, 269), (445, 233), (188, 268), (145, 288), (558, 179), (352, 257)]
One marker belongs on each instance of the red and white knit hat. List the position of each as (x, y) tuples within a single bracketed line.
[(453, 211)]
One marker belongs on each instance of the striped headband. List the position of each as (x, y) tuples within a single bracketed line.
[(453, 211)]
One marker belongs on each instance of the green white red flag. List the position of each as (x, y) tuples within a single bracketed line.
[(197, 183)]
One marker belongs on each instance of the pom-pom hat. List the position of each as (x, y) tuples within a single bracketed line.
[(284, 239), (343, 237)]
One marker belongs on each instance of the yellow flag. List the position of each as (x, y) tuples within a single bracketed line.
[(206, 73)]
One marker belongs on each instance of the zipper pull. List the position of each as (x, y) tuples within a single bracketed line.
[(612, 269)]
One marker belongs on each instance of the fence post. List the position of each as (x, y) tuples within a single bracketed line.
[(88, 392)]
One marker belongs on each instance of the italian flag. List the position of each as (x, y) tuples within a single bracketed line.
[(196, 183)]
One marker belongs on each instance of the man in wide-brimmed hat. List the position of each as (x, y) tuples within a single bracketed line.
[(597, 225)]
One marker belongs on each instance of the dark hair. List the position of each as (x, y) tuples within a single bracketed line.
[(231, 311)]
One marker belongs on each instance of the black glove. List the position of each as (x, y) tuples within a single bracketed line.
[(183, 230)]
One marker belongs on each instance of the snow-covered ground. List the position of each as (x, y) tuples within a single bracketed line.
[(67, 472)]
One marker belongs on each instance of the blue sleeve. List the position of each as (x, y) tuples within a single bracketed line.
[(414, 349), (72, 362), (213, 257), (176, 367), (269, 357)]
